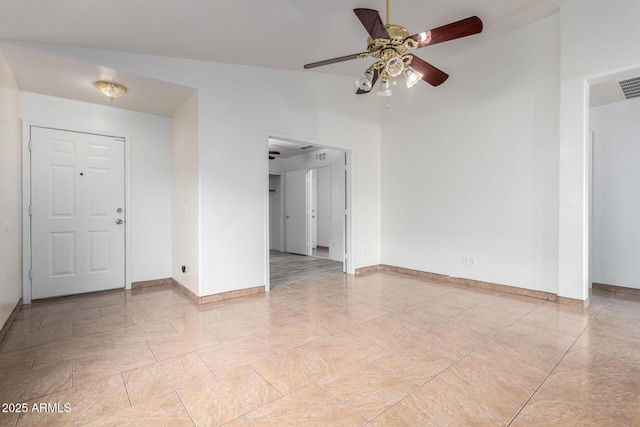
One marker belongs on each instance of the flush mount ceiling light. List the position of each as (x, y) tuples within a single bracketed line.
[(388, 43), (111, 89)]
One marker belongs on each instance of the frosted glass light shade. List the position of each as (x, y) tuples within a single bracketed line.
[(394, 66), (365, 82), (412, 76), (111, 89), (384, 90)]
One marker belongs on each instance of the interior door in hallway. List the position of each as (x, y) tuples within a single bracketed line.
[(296, 212), (77, 213)]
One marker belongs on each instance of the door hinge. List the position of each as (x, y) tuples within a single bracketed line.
[(29, 145), (30, 275), (30, 211)]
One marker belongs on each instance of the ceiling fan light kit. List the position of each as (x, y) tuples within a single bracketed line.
[(389, 44)]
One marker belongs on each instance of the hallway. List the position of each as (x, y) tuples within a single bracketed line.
[(289, 268)]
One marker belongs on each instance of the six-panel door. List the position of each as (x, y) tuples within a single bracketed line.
[(77, 206)]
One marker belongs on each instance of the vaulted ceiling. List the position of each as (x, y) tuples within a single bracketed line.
[(275, 34), (281, 34)]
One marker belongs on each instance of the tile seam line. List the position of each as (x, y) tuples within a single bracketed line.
[(544, 380)]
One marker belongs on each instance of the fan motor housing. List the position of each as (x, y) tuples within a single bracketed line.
[(398, 41), (397, 33)]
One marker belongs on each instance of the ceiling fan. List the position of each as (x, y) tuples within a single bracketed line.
[(273, 154), (389, 43)]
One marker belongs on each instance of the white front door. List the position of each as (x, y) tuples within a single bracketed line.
[(295, 217), (77, 213)]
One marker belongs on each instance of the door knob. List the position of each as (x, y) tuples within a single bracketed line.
[(119, 221)]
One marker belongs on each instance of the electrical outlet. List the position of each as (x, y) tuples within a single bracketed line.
[(184, 268), (468, 260)]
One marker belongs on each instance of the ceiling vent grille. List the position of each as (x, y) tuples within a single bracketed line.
[(630, 87)]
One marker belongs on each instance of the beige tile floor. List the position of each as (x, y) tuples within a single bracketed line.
[(380, 350)]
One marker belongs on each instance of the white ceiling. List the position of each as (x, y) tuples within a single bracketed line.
[(288, 148), (282, 34), (274, 34), (607, 90), (53, 75)]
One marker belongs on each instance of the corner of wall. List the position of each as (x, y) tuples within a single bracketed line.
[(185, 196), (10, 188)]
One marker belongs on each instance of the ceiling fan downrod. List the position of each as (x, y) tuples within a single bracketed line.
[(388, 12)]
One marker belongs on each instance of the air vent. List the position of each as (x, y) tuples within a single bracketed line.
[(305, 147), (630, 87)]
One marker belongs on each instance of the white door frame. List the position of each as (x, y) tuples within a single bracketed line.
[(348, 232), (26, 198), (349, 239)]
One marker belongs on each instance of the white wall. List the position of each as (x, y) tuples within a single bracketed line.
[(239, 107), (597, 38), (10, 194), (150, 170), (470, 168), (616, 194), (240, 104), (185, 191)]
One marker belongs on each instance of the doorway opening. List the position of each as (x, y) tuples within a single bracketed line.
[(614, 235), (309, 205)]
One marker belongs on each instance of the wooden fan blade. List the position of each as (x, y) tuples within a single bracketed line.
[(373, 83), (455, 30), (372, 23), (275, 153), (334, 60), (430, 74)]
